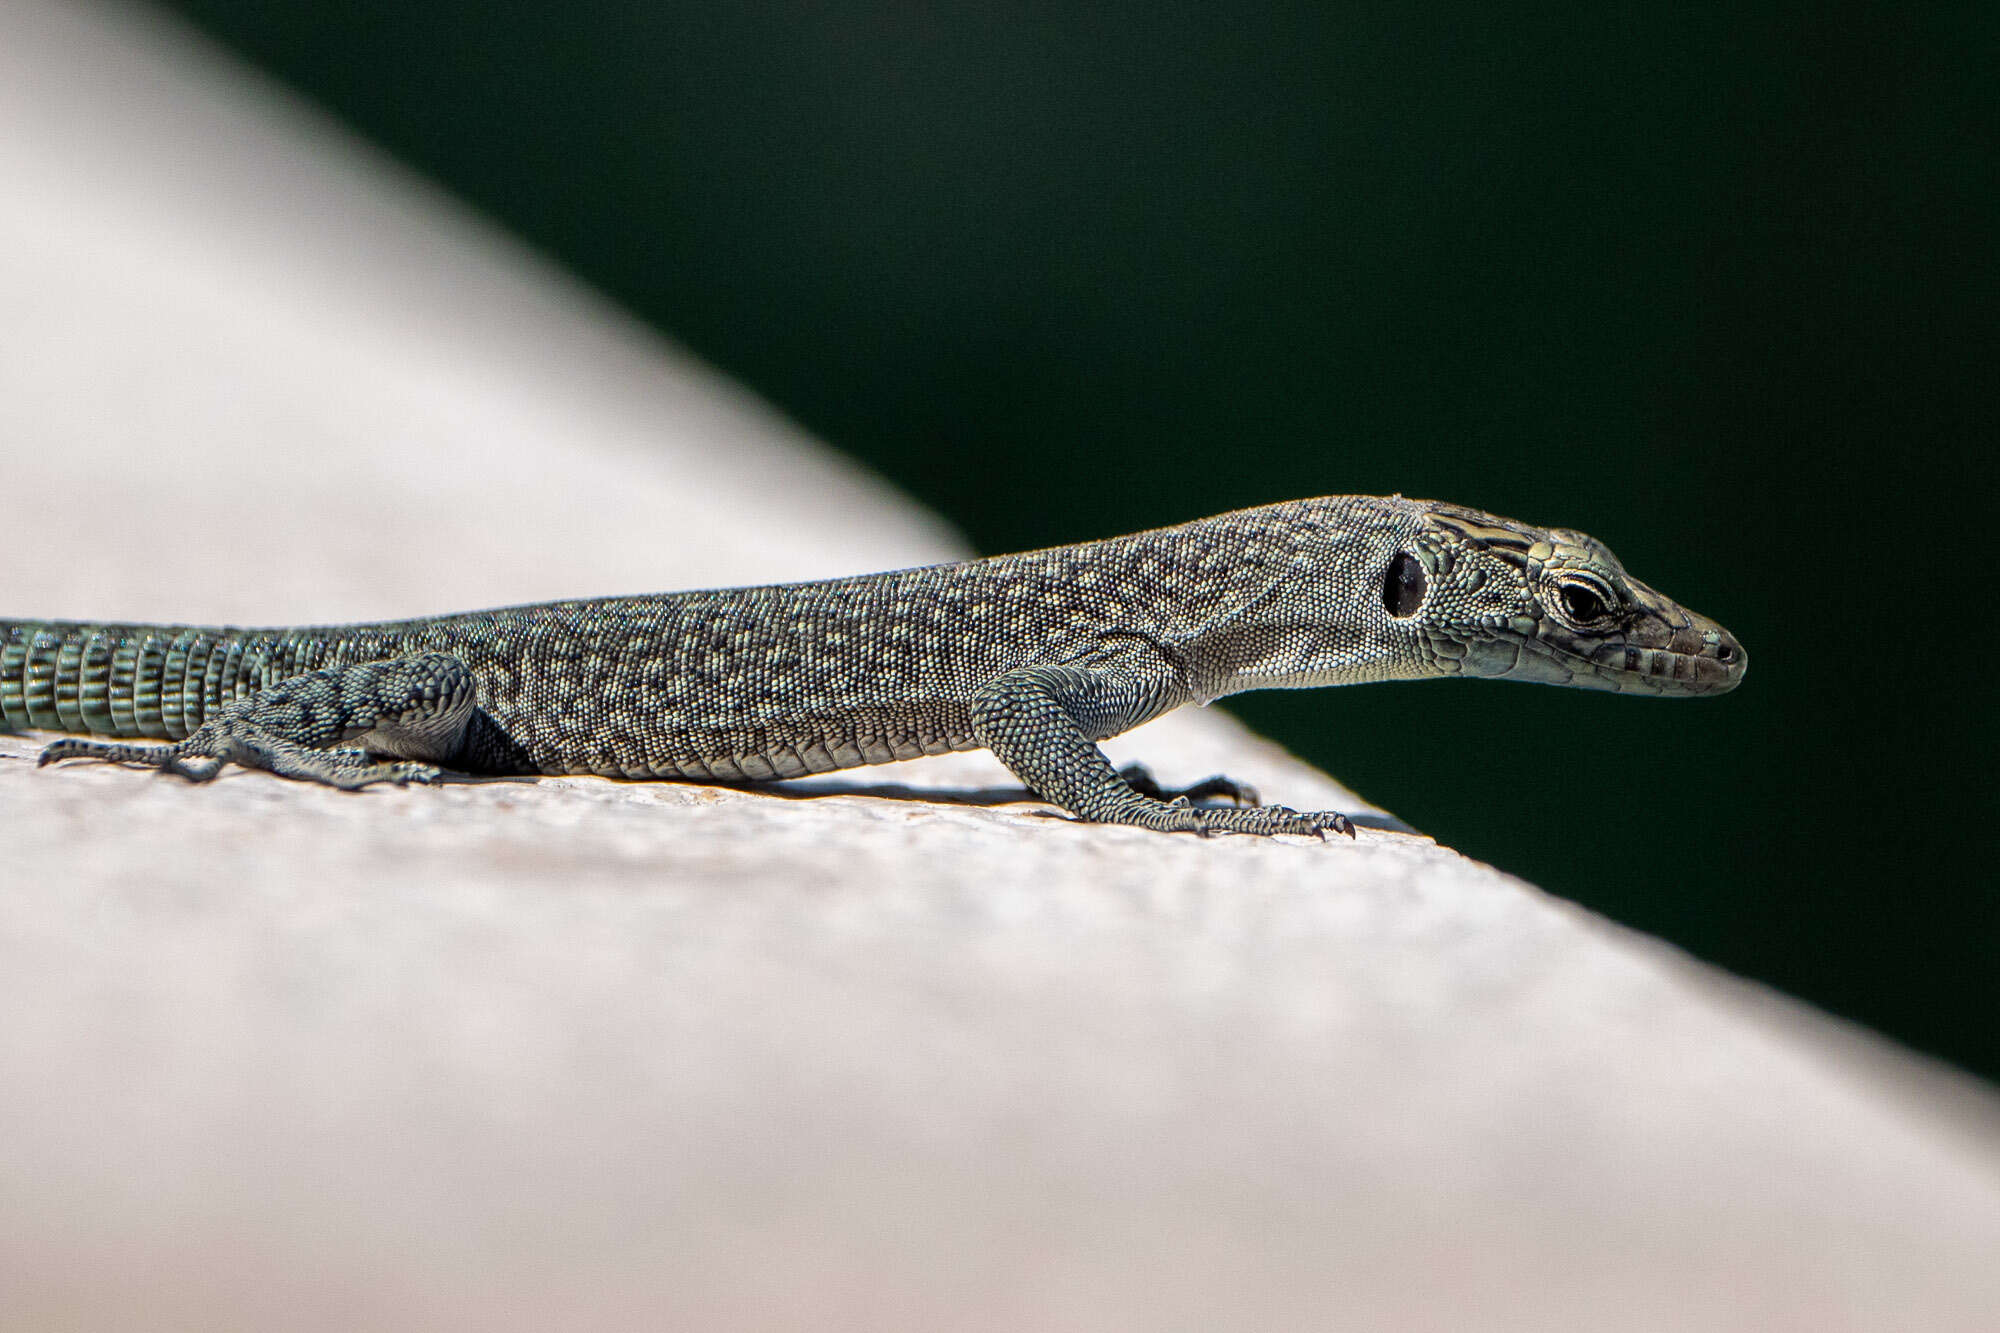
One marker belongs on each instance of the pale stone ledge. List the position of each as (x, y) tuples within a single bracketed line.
[(581, 1053)]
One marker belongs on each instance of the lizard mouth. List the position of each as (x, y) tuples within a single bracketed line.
[(1667, 670), (1633, 670)]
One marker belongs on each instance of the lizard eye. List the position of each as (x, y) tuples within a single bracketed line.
[(1403, 585), (1584, 601)]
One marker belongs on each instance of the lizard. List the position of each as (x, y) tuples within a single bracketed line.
[(1036, 657)]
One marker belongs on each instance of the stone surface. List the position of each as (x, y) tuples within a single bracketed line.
[(897, 1048)]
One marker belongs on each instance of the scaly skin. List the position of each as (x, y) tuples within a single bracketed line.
[(1035, 656)]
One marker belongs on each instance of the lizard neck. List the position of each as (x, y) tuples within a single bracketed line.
[(1314, 617)]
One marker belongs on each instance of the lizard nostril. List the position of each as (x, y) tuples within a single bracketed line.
[(1726, 653)]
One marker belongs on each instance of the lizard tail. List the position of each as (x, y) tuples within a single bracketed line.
[(153, 681)]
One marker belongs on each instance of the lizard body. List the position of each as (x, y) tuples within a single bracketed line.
[(1035, 656)]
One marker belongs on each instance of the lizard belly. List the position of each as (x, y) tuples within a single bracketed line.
[(618, 743)]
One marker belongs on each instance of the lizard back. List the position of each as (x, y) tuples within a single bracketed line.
[(759, 682)]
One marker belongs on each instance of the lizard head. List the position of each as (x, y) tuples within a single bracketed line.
[(1486, 596), (1383, 588)]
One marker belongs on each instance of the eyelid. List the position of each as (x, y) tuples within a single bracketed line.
[(1596, 587)]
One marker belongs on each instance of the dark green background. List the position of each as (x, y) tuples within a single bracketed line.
[(1716, 284)]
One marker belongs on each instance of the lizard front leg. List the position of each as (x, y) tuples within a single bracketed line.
[(1040, 721), (334, 726)]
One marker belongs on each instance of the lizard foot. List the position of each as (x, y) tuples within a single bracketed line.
[(152, 756), (1182, 816), (204, 754), (1272, 819)]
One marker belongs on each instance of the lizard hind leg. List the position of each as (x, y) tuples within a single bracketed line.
[(393, 720), (345, 766)]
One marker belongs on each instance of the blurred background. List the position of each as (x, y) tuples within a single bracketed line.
[(1716, 284)]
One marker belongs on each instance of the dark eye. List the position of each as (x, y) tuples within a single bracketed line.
[(1403, 585), (1583, 603)]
